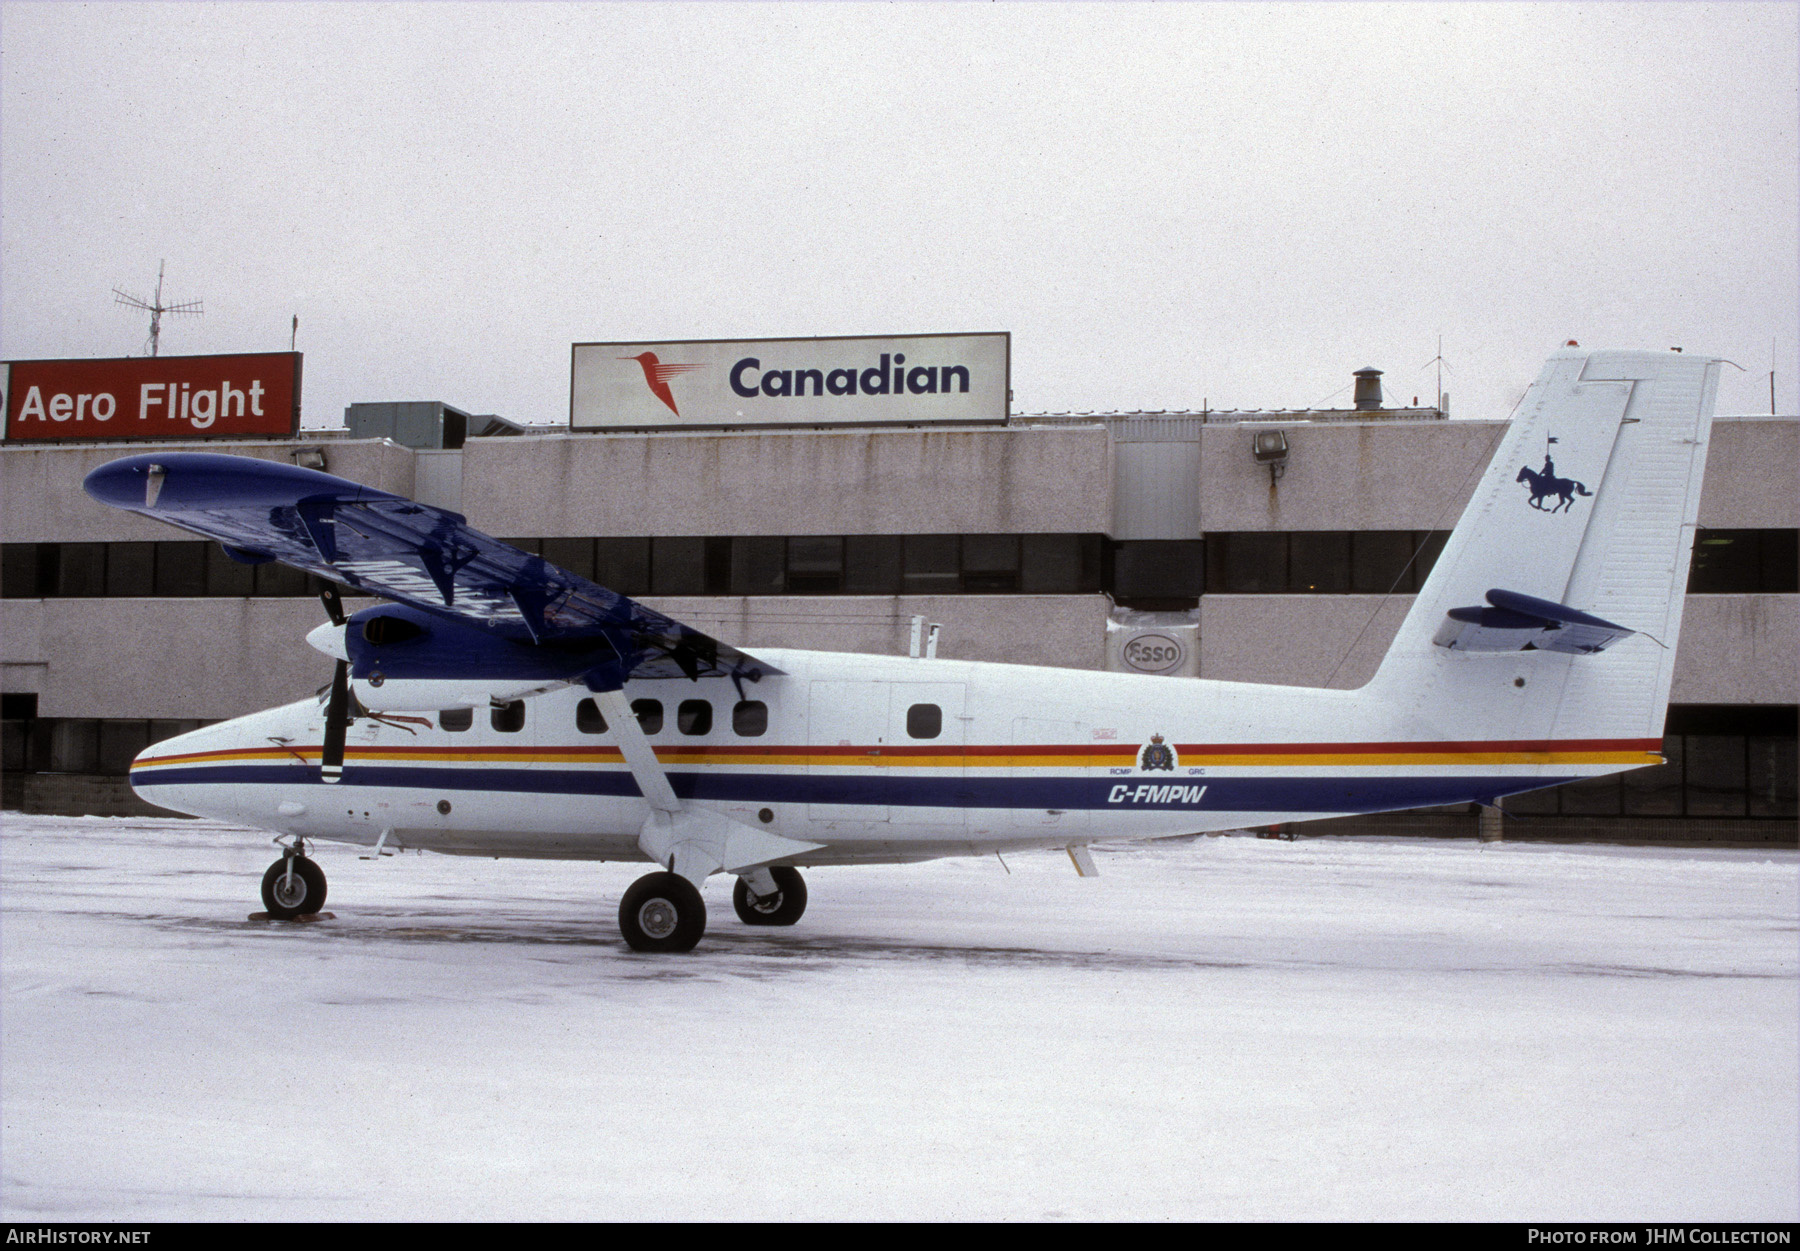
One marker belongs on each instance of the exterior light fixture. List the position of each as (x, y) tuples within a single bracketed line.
[(1270, 447), (309, 457)]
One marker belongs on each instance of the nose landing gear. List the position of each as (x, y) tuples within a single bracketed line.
[(294, 886)]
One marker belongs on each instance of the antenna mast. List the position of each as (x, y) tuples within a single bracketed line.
[(157, 308), (1438, 360)]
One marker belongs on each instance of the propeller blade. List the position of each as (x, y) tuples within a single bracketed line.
[(337, 715), (334, 607)]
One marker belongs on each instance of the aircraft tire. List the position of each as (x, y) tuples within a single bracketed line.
[(662, 912), (307, 895), (787, 907)]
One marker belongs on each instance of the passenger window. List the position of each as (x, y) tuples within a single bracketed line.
[(456, 720), (750, 718), (649, 714), (508, 718), (588, 719), (924, 721), (694, 716)]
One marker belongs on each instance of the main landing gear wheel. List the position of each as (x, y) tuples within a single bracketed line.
[(662, 912), (286, 895), (784, 907)]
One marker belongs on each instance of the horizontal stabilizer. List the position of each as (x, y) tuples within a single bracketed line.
[(1522, 623), (558, 624)]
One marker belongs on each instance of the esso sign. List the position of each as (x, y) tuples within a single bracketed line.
[(1154, 653), (154, 397)]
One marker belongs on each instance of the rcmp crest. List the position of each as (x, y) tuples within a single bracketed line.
[(1156, 754)]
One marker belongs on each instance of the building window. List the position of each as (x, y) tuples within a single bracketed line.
[(678, 566), (575, 555), (931, 564), (1149, 572), (694, 716), (80, 570), (224, 576), (181, 569), (815, 564), (1745, 562), (1719, 761), (131, 570), (1246, 563), (1060, 564), (758, 566), (588, 719), (872, 564), (990, 562), (623, 565), (1321, 562)]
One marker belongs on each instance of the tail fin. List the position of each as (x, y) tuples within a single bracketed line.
[(1589, 503)]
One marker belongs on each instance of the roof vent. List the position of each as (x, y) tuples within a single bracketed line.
[(1368, 388)]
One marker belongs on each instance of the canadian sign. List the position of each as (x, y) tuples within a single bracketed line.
[(153, 397), (790, 382)]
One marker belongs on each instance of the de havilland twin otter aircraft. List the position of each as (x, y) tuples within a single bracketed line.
[(498, 705)]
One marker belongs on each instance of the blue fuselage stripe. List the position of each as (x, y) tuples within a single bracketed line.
[(1344, 793)]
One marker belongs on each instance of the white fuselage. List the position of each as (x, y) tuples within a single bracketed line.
[(873, 758)]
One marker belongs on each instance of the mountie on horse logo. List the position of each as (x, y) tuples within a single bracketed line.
[(1545, 483)]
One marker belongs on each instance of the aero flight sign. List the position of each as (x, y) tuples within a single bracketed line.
[(154, 397), (790, 382)]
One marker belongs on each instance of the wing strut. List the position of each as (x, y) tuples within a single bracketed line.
[(694, 842)]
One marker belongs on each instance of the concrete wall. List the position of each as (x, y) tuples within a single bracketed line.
[(1371, 476), (1734, 649), (172, 658), (1061, 630), (1752, 474), (1419, 475), (214, 658), (1738, 649), (792, 482), (41, 500)]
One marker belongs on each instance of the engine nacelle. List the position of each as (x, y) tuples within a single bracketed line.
[(404, 659)]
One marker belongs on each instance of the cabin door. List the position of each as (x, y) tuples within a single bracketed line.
[(845, 725)]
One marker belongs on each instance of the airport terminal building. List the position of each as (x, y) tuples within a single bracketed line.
[(1261, 546)]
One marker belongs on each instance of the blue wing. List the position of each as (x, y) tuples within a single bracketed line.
[(428, 558)]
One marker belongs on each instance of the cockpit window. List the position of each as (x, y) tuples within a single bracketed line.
[(456, 719)]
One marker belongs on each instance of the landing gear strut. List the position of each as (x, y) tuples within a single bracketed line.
[(783, 907), (662, 912), (294, 886)]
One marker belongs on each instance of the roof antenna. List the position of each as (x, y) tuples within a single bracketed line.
[(157, 308), (1438, 360)]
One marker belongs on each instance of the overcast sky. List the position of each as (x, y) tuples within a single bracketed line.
[(1166, 205)]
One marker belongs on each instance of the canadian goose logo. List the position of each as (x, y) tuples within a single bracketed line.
[(1156, 754)]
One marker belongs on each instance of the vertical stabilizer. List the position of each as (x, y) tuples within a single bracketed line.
[(1589, 502)]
